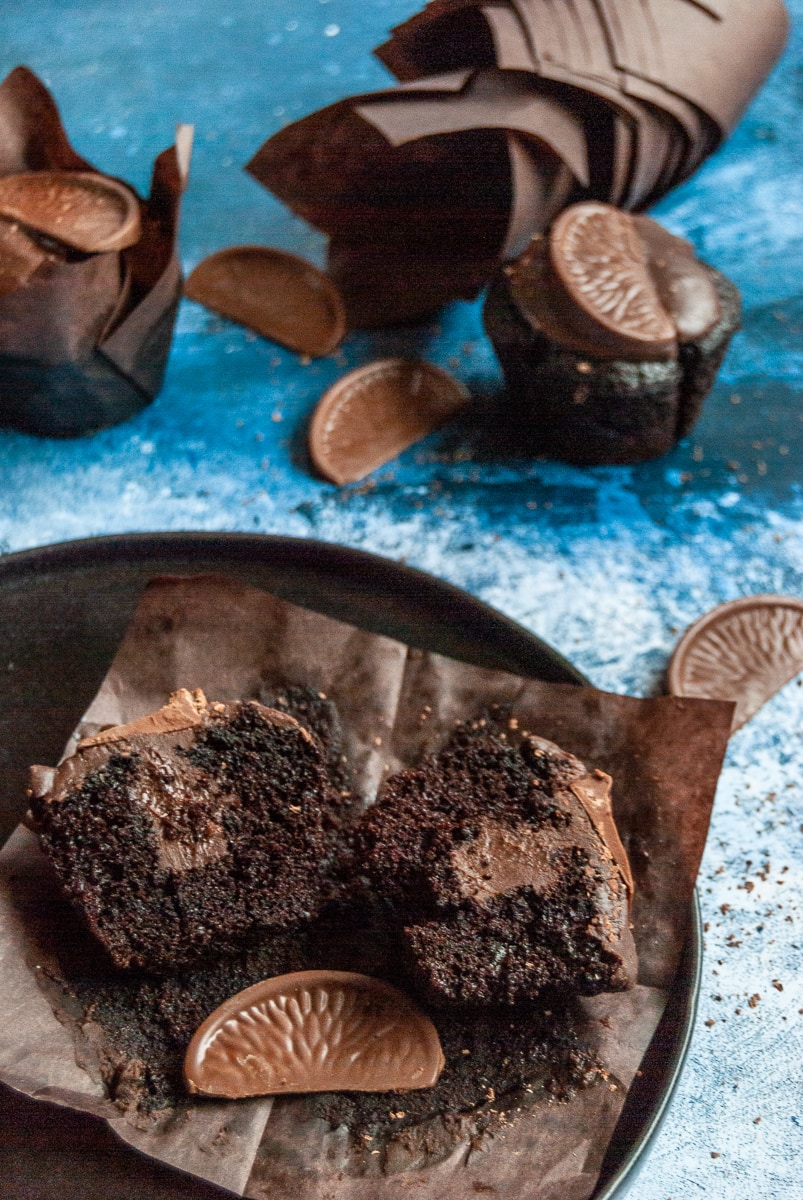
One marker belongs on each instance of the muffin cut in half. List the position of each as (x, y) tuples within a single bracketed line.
[(498, 862), (189, 829)]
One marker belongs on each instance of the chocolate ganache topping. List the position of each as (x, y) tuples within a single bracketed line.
[(614, 286)]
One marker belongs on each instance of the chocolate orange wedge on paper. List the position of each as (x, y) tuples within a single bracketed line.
[(314, 1031)]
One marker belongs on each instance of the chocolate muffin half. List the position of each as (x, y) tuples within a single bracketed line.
[(190, 829), (610, 333), (498, 862)]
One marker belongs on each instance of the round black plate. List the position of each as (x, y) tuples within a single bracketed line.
[(63, 610)]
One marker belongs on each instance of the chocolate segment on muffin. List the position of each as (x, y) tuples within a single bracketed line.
[(189, 829), (499, 864), (610, 333)]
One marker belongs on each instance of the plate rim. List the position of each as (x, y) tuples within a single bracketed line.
[(69, 555), (240, 548)]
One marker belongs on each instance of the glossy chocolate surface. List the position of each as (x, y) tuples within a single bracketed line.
[(681, 280), (614, 286), (370, 415), (279, 295), (80, 209), (314, 1031), (599, 262)]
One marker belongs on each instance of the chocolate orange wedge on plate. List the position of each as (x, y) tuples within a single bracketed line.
[(314, 1031)]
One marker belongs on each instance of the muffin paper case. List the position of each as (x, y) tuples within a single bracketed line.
[(395, 703), (84, 339), (616, 100), (711, 55)]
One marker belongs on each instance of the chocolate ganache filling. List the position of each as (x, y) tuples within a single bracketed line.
[(200, 825)]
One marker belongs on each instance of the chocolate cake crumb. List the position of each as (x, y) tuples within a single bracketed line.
[(191, 829), (487, 864), (504, 1050), (316, 712), (145, 1022)]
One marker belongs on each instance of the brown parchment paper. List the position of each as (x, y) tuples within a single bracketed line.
[(395, 703), (628, 96), (393, 179), (84, 338), (713, 56)]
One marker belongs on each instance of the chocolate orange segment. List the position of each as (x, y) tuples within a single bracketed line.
[(745, 650), (82, 210), (280, 296), (314, 1031), (370, 415), (602, 266), (683, 283)]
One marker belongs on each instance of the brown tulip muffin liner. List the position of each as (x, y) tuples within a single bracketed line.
[(84, 339), (395, 703), (507, 110), (713, 56)]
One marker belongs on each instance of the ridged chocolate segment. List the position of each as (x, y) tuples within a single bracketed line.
[(375, 412), (745, 650), (81, 209), (314, 1031), (601, 262)]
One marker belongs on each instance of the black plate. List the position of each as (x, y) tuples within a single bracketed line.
[(63, 610)]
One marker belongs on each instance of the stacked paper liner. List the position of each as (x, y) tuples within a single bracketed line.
[(84, 337), (506, 111)]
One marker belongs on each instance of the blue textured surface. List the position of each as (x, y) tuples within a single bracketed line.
[(608, 564)]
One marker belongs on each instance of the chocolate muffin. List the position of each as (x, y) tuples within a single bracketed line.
[(191, 829), (498, 863), (610, 333)]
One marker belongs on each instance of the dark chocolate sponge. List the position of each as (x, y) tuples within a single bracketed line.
[(147, 1022), (577, 398), (319, 714), (190, 829), (498, 863)]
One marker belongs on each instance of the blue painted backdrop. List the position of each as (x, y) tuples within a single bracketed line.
[(607, 564)]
